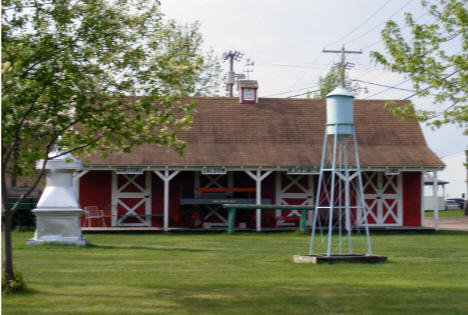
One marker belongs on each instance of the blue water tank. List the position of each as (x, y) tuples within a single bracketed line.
[(340, 112)]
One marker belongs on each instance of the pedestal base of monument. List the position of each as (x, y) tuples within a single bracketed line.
[(58, 226), (337, 258)]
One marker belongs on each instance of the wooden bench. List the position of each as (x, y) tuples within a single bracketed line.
[(26, 204), (234, 207), (215, 204), (287, 219), (126, 216), (248, 190)]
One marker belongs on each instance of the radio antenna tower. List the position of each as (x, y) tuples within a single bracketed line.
[(231, 56), (248, 64)]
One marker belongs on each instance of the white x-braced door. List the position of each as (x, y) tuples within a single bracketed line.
[(383, 197), (293, 190), (131, 199)]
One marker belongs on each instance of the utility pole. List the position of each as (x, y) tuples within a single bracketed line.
[(343, 64), (232, 56)]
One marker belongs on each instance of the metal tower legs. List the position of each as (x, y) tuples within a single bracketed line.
[(337, 191)]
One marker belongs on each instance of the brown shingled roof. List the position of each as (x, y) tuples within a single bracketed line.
[(282, 132)]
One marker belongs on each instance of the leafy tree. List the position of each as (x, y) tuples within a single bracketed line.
[(332, 80), (70, 70), (430, 60), (435, 58)]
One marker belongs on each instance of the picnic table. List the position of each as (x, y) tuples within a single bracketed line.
[(27, 203), (234, 207)]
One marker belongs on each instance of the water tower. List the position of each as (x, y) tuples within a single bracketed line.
[(339, 228)]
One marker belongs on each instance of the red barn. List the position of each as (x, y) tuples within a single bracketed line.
[(267, 150)]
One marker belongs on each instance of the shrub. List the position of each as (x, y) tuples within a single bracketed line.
[(17, 284)]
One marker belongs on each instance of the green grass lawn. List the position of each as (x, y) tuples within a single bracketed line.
[(446, 213), (246, 273)]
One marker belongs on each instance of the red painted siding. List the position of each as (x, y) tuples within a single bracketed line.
[(180, 186), (157, 199), (411, 199), (269, 191), (96, 190)]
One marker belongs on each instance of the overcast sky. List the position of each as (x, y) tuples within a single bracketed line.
[(285, 39)]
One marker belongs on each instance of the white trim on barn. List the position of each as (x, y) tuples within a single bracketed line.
[(76, 182), (252, 168), (435, 189), (166, 177), (142, 195), (384, 207), (258, 177)]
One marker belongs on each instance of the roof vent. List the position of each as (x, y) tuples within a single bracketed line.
[(248, 91)]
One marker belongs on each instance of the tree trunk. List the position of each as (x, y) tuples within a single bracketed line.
[(466, 207), (14, 173), (7, 252)]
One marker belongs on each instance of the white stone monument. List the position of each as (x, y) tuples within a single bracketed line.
[(58, 212)]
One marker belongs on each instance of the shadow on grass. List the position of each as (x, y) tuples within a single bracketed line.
[(165, 249), (220, 298), (26, 292), (91, 246)]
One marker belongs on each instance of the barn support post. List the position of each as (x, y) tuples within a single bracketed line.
[(76, 182), (166, 177), (435, 195), (258, 177), (423, 214)]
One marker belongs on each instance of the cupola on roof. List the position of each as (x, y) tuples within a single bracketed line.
[(248, 91)]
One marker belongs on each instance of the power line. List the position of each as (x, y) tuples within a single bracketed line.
[(417, 92), (430, 86), (375, 27), (287, 61), (286, 92), (357, 27), (282, 89), (307, 70), (379, 41), (308, 92), (289, 65), (387, 86)]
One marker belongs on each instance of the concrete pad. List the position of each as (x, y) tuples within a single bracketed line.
[(448, 223), (337, 258)]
